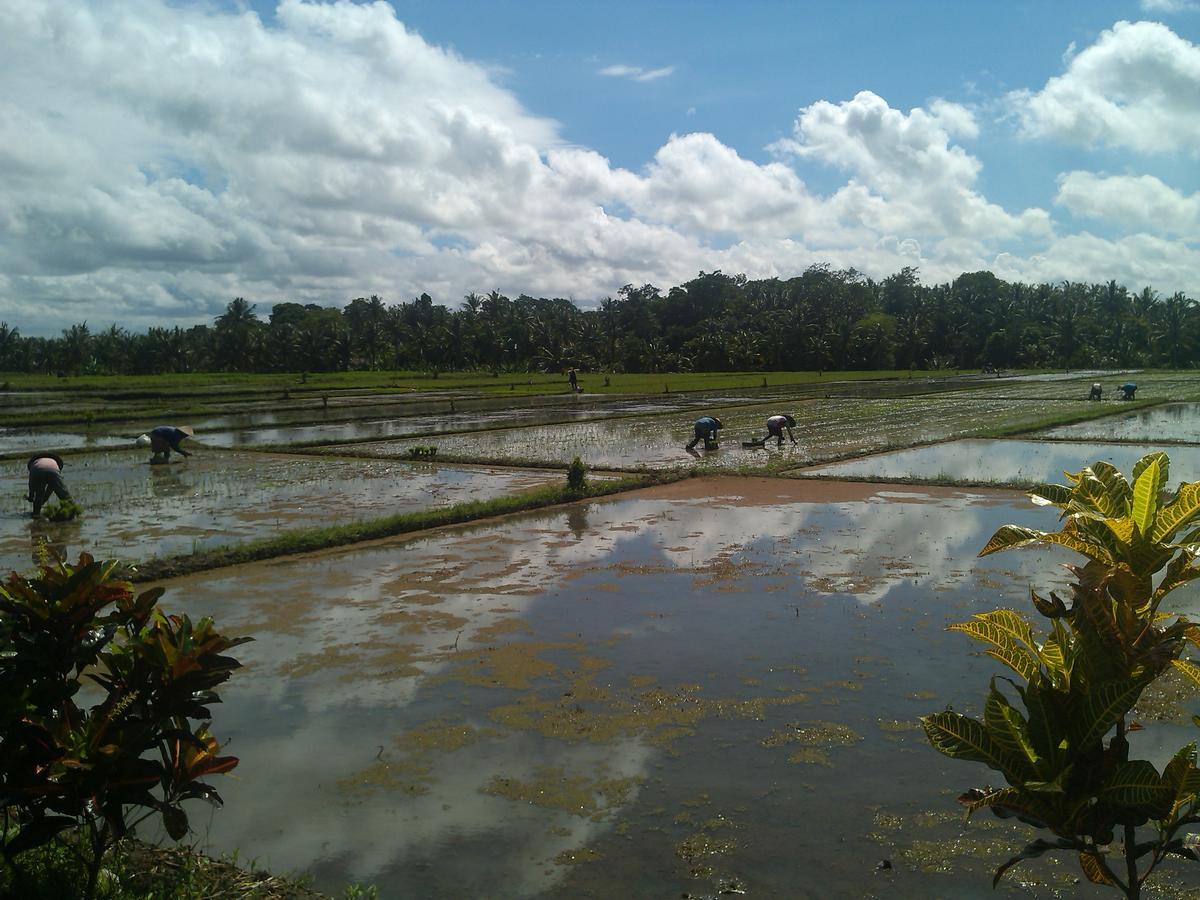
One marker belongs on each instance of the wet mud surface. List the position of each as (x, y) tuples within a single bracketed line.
[(134, 511), (1006, 461), (704, 688)]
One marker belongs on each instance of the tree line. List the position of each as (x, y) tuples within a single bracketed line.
[(825, 319)]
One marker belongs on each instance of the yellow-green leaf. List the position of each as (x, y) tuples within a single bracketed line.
[(1188, 668), (1147, 487), (1179, 512), (1009, 536), (1095, 868), (961, 737)]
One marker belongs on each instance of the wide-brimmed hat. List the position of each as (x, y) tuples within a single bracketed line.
[(187, 429), (143, 441)]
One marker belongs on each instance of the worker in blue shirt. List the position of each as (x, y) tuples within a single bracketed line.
[(706, 429), (163, 439)]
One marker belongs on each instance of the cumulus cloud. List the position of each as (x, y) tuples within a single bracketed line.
[(1136, 87), (636, 73), (1133, 201), (907, 178), (157, 160)]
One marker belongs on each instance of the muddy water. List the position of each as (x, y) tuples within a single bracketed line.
[(135, 511), (29, 440), (826, 428), (1172, 422), (1006, 461), (712, 686)]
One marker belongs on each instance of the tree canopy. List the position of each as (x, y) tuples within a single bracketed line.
[(823, 319)]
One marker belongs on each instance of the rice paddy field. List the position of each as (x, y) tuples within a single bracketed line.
[(703, 687)]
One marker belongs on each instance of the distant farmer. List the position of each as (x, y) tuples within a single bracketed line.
[(1128, 389), (775, 426), (1097, 391), (706, 429), (165, 438), (45, 477), (574, 379)]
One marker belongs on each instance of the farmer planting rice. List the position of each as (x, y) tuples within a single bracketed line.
[(163, 439), (45, 477), (706, 429), (775, 426)]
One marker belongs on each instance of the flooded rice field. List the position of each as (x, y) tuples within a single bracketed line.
[(827, 428), (1008, 461), (708, 688), (29, 440), (1171, 422), (135, 511)]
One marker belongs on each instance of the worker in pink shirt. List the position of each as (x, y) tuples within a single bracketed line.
[(45, 478)]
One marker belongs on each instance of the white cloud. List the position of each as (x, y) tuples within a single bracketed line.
[(907, 178), (156, 161), (1168, 7), (636, 73), (1137, 87), (1133, 201)]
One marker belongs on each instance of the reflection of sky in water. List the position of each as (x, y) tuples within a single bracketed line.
[(1172, 422), (26, 440), (725, 598), (1002, 461), (134, 511)]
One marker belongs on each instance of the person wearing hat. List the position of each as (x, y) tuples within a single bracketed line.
[(165, 438), (1128, 389), (706, 429), (775, 426), (45, 477)]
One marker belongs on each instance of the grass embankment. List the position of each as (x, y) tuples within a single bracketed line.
[(226, 384), (308, 540), (135, 870)]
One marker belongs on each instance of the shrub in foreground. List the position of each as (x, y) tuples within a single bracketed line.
[(1058, 733), (104, 713)]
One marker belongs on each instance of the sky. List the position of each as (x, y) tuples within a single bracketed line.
[(158, 159)]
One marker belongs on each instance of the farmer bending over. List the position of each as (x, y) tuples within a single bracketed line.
[(775, 426), (1097, 391), (164, 439), (45, 477), (706, 429)]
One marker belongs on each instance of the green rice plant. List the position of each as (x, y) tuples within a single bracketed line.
[(576, 476), (1058, 732), (62, 511)]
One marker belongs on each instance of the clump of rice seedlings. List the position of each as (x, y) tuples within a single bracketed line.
[(63, 511), (420, 450)]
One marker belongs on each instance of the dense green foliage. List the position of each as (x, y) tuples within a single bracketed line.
[(1058, 731), (824, 319), (104, 709)]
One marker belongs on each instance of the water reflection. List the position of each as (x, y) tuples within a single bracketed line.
[(1006, 461), (1172, 422), (483, 712)]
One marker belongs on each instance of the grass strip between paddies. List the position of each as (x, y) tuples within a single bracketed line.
[(309, 540)]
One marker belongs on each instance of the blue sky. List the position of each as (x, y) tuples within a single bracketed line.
[(162, 158)]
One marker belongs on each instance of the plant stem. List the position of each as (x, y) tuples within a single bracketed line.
[(1134, 890)]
